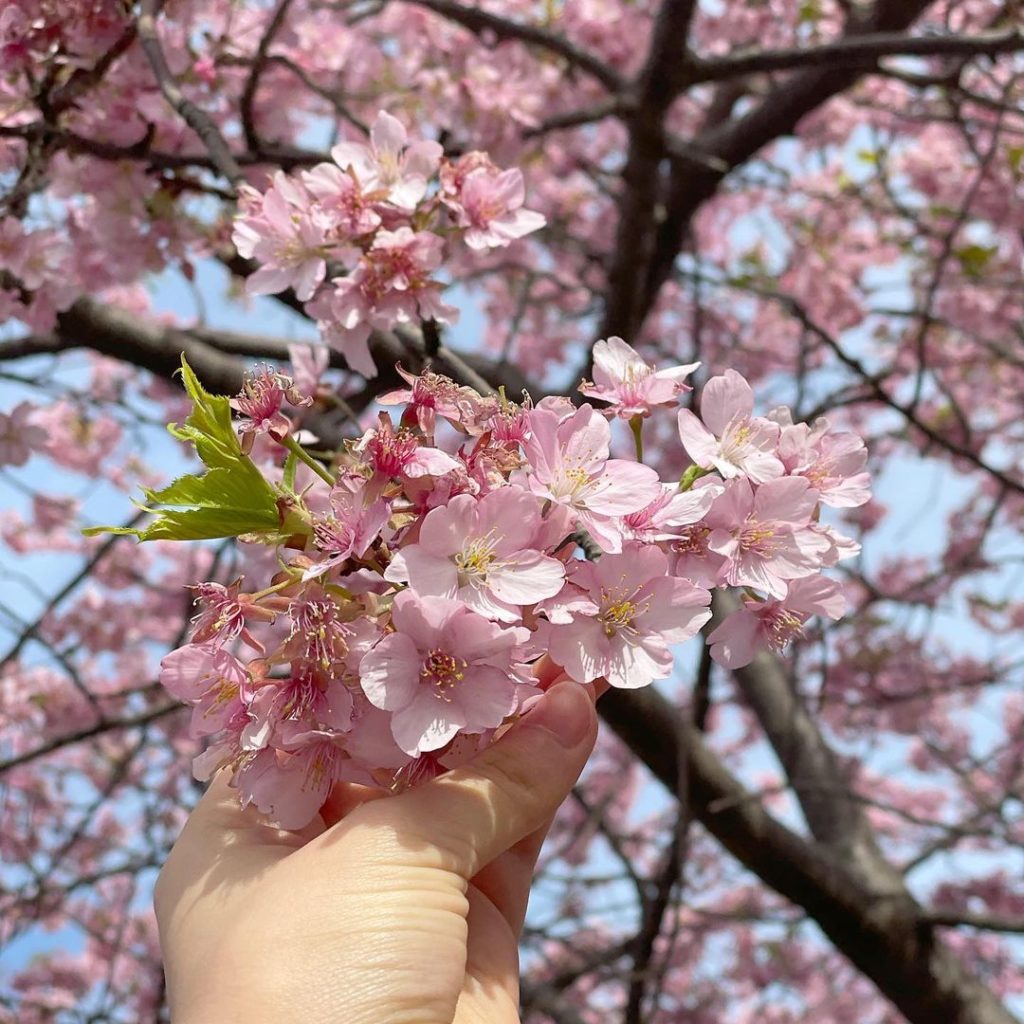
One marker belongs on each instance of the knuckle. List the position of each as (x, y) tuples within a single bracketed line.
[(513, 780)]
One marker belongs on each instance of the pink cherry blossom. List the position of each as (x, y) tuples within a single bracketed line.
[(308, 365), (211, 680), (398, 171), (664, 518), (730, 438), (489, 207), (345, 205), (763, 625), (281, 234), (632, 386), (569, 465), (19, 436), (691, 558), (620, 616), (429, 395), (317, 644), (766, 533), (445, 669), (481, 553), (290, 787), (306, 697), (34, 257), (353, 524), (225, 615), (263, 395), (397, 453), (391, 285), (833, 463)]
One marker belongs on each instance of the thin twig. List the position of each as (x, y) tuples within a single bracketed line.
[(197, 119), (252, 83)]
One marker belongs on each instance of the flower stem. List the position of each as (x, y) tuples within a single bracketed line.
[(276, 588), (302, 455), (691, 476), (636, 424)]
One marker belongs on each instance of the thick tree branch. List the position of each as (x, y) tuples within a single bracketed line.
[(642, 184), (835, 816), (219, 357), (858, 52), (883, 935), (734, 142)]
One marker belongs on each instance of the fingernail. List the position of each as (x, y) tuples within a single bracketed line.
[(561, 712)]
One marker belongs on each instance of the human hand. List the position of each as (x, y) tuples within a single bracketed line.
[(400, 910)]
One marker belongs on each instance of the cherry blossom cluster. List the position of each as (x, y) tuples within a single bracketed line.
[(422, 577), (360, 240)]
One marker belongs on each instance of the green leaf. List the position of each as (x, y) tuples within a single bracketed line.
[(230, 499), (975, 258), (209, 425), (190, 524), (810, 10), (240, 487)]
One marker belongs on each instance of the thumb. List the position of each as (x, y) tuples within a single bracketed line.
[(475, 812)]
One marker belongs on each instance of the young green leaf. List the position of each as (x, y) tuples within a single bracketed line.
[(232, 498)]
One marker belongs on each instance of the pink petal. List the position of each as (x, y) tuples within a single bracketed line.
[(429, 574), (527, 578), (387, 134), (389, 673), (426, 724), (699, 442), (723, 399), (489, 699), (446, 528), (737, 640), (624, 487)]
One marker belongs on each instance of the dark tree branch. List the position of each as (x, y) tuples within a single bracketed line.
[(285, 157), (484, 22), (835, 816), (981, 922), (97, 729), (654, 910), (86, 569), (884, 936), (735, 141), (198, 120), (85, 79), (878, 390), (252, 83), (642, 185), (609, 107), (862, 52)]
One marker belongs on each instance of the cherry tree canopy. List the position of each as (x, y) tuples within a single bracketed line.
[(823, 195)]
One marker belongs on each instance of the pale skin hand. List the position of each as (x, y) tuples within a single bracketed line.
[(402, 910)]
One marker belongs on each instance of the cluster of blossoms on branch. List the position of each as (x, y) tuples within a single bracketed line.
[(384, 214), (425, 572)]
